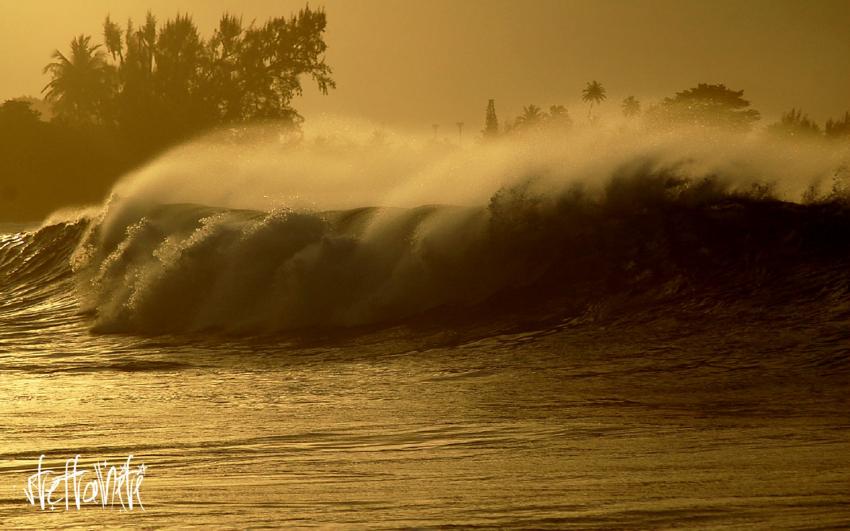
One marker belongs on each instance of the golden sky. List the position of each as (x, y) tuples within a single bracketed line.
[(415, 63)]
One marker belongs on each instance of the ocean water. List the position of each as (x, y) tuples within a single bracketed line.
[(648, 397), (629, 333)]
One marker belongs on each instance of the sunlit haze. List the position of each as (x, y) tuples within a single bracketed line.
[(420, 63), (425, 264)]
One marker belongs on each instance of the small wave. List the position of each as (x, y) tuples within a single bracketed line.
[(39, 258)]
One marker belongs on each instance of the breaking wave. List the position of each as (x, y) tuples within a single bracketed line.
[(579, 226)]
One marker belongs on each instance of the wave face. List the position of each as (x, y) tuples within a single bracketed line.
[(34, 266), (649, 238), (184, 267), (650, 227)]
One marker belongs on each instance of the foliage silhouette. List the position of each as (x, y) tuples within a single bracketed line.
[(145, 88), (534, 118), (491, 121), (531, 115), (838, 128), (18, 115), (795, 124), (708, 106), (79, 87), (631, 107), (559, 116), (171, 83), (593, 93), (45, 165)]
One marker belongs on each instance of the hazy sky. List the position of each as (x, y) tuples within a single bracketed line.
[(415, 63)]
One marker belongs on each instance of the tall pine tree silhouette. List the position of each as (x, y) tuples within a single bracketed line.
[(491, 122)]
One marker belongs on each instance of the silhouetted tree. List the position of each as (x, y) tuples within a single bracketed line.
[(146, 87), (44, 165), (594, 92), (225, 48), (274, 57), (557, 111), (171, 82), (491, 122), (709, 105), (79, 87), (531, 115), (137, 112), (838, 128), (631, 107), (795, 124), (112, 39), (559, 116), (180, 77), (44, 109), (16, 115), (20, 137)]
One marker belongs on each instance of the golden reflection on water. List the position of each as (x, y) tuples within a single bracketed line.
[(482, 434)]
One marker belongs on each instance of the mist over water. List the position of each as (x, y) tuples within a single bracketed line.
[(259, 230), (342, 164)]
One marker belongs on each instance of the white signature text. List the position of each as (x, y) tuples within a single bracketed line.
[(102, 484)]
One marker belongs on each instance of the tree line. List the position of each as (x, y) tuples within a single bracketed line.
[(154, 84), (706, 105), (144, 87)]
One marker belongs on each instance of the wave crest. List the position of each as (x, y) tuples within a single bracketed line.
[(377, 233), (192, 268)]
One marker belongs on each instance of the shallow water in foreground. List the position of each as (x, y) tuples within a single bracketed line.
[(570, 426)]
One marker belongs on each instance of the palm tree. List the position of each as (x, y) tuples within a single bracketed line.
[(594, 92), (112, 37), (179, 51), (558, 115), (557, 111), (79, 85), (631, 107), (531, 115)]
